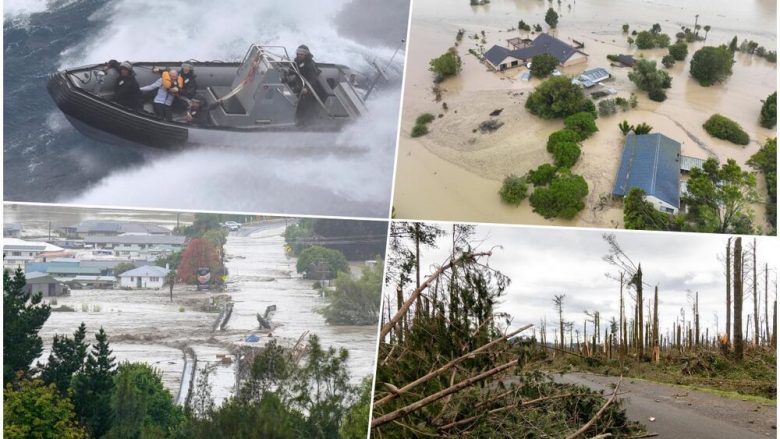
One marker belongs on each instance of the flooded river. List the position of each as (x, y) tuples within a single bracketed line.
[(144, 325)]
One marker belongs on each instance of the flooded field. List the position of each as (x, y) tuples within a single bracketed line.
[(463, 169), (144, 325)]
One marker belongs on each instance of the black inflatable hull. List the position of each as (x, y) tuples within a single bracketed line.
[(113, 119)]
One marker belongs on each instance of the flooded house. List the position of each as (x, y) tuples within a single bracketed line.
[(45, 284), (651, 162), (146, 277), (521, 51), (148, 247), (113, 228), (62, 269)]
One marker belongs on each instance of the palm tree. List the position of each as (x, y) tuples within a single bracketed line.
[(706, 31)]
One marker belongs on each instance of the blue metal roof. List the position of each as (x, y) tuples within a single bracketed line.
[(650, 162)]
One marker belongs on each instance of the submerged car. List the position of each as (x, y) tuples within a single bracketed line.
[(232, 225), (247, 103)]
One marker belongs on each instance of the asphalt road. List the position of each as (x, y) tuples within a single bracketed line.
[(685, 414)]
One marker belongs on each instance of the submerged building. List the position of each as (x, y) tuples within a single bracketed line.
[(651, 162), (523, 50)]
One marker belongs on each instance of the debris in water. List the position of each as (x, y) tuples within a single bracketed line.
[(491, 125), (496, 112)]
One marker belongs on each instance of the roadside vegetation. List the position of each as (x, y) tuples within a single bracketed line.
[(324, 248), (446, 65), (637, 344), (765, 161)]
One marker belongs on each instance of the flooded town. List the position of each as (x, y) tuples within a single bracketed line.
[(462, 162), (115, 270)]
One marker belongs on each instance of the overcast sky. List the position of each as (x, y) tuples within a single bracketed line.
[(543, 262)]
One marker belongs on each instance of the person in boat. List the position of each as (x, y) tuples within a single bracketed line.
[(109, 77), (190, 87), (307, 68), (168, 87), (127, 92)]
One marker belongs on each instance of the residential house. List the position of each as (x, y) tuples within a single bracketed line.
[(651, 162), (63, 269), (93, 282), (523, 50), (146, 277), (113, 228), (148, 247), (38, 282), (18, 252)]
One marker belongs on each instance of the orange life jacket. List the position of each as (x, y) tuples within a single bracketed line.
[(168, 84)]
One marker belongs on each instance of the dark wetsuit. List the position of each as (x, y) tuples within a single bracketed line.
[(127, 92), (307, 105)]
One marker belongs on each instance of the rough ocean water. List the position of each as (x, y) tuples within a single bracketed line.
[(47, 160)]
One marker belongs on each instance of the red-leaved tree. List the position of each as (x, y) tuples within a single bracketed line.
[(199, 253)]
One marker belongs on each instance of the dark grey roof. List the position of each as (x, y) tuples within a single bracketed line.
[(626, 60), (650, 162), (136, 239), (98, 226), (496, 54)]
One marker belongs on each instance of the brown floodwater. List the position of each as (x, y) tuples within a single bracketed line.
[(462, 169)]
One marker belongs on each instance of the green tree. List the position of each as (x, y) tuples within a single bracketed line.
[(141, 405), (23, 316), (521, 25), (719, 198), (267, 418), (647, 77), (93, 387), (34, 410), (639, 214), (446, 65), (123, 267), (642, 128), (543, 175), (625, 28), (667, 61), (625, 127), (66, 358), (733, 45), (542, 65), (565, 154), (171, 260), (356, 301), (678, 50), (551, 18), (726, 129), (557, 97), (645, 40), (584, 124), (321, 263), (564, 135), (563, 198), (765, 160), (769, 111), (355, 424), (514, 190), (710, 65)]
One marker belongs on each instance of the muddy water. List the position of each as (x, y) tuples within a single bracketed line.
[(263, 275), (463, 169), (142, 326)]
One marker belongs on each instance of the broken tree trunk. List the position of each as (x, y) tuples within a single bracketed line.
[(739, 349)]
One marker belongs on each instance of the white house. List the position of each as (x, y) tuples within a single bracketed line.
[(18, 252), (146, 277)]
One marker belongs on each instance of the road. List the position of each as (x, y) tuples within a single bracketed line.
[(682, 413)]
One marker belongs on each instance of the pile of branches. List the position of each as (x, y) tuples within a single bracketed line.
[(447, 369)]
